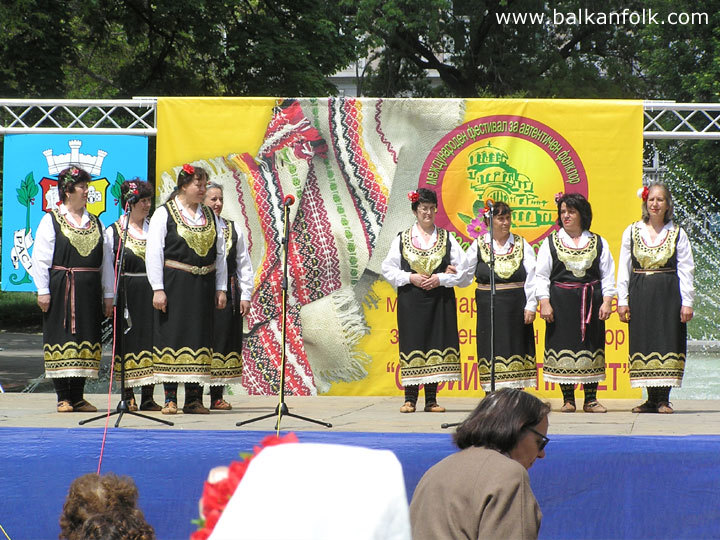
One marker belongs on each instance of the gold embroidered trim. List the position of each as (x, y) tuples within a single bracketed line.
[(432, 357), (138, 368), (424, 261), (227, 236), (577, 261), (421, 367), (668, 365), (226, 366), (136, 245), (517, 368), (651, 258), (76, 353), (199, 238), (182, 361), (83, 240), (567, 363), (507, 263)]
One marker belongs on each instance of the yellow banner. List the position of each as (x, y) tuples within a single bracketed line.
[(350, 163)]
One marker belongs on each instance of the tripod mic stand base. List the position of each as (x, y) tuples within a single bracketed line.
[(281, 411), (121, 409)]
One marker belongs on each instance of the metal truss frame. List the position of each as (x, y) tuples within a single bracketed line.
[(120, 117), (662, 119), (670, 120)]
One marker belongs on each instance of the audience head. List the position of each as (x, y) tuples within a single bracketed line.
[(91, 495), (508, 421)]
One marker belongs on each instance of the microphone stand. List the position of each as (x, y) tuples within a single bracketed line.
[(492, 300), (282, 409), (122, 407), (491, 264)]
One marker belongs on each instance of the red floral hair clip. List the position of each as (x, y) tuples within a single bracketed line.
[(188, 168), (643, 193), (133, 188), (559, 195), (413, 196)]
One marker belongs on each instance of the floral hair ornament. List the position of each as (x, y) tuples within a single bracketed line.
[(70, 176), (559, 195), (133, 188), (414, 196), (189, 169), (643, 193)]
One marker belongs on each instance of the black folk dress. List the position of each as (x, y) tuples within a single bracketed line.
[(182, 336), (228, 331), (658, 340), (135, 294), (515, 365), (575, 341), (427, 320), (71, 326)]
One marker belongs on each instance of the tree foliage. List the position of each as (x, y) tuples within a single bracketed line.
[(125, 48), (478, 53)]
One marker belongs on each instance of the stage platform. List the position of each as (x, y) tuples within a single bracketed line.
[(614, 475), (366, 414)]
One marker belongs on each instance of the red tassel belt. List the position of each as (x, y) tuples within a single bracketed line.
[(70, 291), (586, 302)]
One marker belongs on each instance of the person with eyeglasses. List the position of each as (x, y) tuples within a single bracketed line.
[(483, 491), (424, 264)]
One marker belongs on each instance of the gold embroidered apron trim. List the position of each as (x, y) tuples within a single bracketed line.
[(199, 238), (576, 260), (183, 360), (83, 240), (424, 261), (507, 263), (72, 351), (568, 363), (654, 257)]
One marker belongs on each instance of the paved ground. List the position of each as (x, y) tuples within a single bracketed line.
[(21, 362)]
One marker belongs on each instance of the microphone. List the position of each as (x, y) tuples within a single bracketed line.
[(490, 203), (289, 200), (133, 198)]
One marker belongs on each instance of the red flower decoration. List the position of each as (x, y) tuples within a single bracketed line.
[(216, 495), (559, 195), (188, 168), (413, 196), (643, 193)]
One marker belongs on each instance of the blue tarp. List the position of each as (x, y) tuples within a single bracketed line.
[(592, 487)]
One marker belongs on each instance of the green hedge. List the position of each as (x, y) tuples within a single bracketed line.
[(19, 312)]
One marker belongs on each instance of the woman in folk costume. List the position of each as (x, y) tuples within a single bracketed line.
[(228, 327), (655, 298), (424, 264), (515, 302), (72, 272), (134, 295), (186, 268), (575, 285)]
